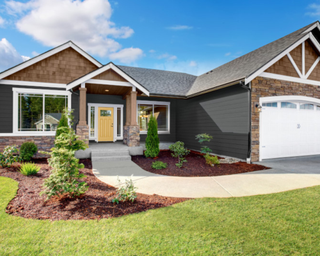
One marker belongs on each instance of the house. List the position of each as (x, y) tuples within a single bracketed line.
[(265, 104)]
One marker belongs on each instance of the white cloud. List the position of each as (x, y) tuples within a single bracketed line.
[(228, 54), (34, 53), (315, 10), (2, 21), (87, 23), (152, 51), (167, 56), (9, 56), (193, 64), (127, 55), (180, 27)]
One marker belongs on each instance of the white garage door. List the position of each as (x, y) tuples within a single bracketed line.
[(289, 127)]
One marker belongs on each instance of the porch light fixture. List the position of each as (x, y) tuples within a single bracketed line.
[(258, 107), (106, 90)]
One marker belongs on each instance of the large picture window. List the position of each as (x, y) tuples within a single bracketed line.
[(160, 110), (40, 111)]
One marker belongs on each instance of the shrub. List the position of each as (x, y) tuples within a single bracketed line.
[(211, 160), (180, 152), (204, 137), (9, 156), (29, 169), (63, 123), (125, 192), (159, 165), (27, 150), (152, 140), (65, 166)]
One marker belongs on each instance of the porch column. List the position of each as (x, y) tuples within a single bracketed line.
[(131, 133), (82, 129)]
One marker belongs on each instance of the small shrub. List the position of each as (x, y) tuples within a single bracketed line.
[(180, 152), (125, 192), (63, 123), (9, 156), (27, 150), (152, 140), (29, 169), (204, 137), (159, 165), (211, 160), (65, 175)]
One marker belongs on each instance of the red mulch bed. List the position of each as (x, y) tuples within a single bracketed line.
[(94, 204), (195, 167)]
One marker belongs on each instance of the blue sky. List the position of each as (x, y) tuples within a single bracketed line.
[(185, 36)]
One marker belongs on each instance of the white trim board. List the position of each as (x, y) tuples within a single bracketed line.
[(109, 82), (32, 84), (87, 77), (289, 78), (48, 54), (289, 98)]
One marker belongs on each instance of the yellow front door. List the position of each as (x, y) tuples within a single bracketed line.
[(105, 124)]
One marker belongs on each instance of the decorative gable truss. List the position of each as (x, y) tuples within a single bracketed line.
[(299, 63)]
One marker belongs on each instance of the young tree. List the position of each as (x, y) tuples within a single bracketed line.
[(63, 123), (152, 140)]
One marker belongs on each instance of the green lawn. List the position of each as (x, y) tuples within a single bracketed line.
[(279, 224)]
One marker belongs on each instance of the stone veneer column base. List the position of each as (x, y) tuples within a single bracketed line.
[(83, 132), (44, 143), (131, 135)]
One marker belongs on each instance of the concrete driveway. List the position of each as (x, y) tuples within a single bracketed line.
[(286, 174)]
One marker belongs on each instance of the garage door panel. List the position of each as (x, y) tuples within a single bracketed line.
[(288, 132)]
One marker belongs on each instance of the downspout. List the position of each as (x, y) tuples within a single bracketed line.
[(248, 88)]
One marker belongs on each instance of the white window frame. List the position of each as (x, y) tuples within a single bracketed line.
[(115, 124), (16, 92), (150, 102)]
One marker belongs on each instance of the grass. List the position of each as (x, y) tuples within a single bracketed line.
[(278, 224)]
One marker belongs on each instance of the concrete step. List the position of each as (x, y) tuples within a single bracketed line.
[(103, 153), (110, 158)]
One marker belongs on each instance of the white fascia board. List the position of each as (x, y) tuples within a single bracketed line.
[(289, 78), (274, 60), (315, 41), (33, 84), (109, 82), (312, 27), (87, 77), (46, 55)]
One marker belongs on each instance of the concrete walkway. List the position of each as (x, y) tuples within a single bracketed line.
[(286, 174)]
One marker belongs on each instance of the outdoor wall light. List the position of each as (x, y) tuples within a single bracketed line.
[(258, 107), (106, 90)]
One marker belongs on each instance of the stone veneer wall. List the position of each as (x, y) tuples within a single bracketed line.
[(131, 136), (83, 132), (44, 143), (266, 87)]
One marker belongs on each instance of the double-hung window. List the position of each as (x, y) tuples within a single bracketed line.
[(159, 109), (38, 111)]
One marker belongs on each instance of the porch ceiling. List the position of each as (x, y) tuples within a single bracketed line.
[(112, 89)]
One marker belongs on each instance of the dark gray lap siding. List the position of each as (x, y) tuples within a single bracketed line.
[(224, 114), (6, 105)]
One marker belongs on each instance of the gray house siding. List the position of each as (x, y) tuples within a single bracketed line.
[(224, 114), (6, 105)]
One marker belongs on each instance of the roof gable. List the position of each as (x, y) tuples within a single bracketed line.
[(87, 61)]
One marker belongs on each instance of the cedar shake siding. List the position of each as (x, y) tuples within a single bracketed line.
[(224, 114), (62, 67)]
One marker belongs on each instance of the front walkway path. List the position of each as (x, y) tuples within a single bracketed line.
[(286, 175)]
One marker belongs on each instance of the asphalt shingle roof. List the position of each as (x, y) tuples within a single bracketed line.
[(160, 81), (182, 84)]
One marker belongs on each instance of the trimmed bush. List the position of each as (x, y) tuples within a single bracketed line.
[(152, 140), (63, 123), (29, 169), (180, 152), (27, 150), (211, 160), (65, 175), (159, 165), (126, 191), (9, 156)]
